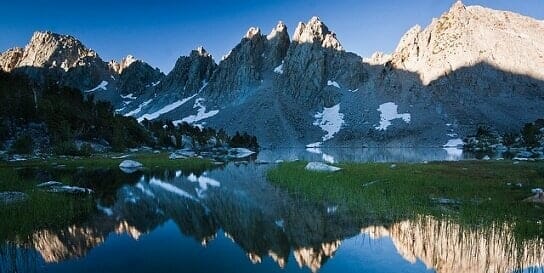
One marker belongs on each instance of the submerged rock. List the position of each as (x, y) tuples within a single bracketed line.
[(12, 197), (321, 167)]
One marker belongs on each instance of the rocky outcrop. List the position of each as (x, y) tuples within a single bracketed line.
[(316, 32), (11, 58), (118, 67), (276, 46), (50, 50), (137, 77), (465, 36), (241, 70), (314, 58), (190, 73), (249, 64)]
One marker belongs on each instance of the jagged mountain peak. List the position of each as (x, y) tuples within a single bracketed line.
[(252, 32), (468, 35), (200, 51), (315, 31), (48, 50), (10, 58), (279, 30), (189, 74), (118, 67), (458, 6), (48, 36)]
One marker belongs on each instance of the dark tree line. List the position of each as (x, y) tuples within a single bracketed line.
[(167, 134), (68, 115)]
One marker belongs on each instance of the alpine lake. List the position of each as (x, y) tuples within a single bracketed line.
[(386, 210)]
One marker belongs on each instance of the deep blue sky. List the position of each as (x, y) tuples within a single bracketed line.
[(160, 31)]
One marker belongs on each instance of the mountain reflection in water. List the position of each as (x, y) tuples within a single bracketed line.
[(277, 231)]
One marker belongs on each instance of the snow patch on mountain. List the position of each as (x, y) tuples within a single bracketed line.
[(102, 86), (330, 121), (279, 69), (333, 83), (204, 84), (226, 55), (165, 109), (314, 145), (139, 109), (200, 114), (388, 112)]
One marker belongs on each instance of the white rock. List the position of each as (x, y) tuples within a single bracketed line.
[(321, 167), (130, 166), (176, 156)]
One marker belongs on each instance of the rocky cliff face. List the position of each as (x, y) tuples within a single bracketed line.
[(465, 36), (314, 61), (137, 77), (118, 67), (276, 46), (240, 71), (249, 64), (10, 59), (190, 73)]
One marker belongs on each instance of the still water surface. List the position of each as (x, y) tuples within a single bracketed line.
[(231, 219)]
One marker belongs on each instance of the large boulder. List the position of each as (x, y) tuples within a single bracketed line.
[(130, 166)]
